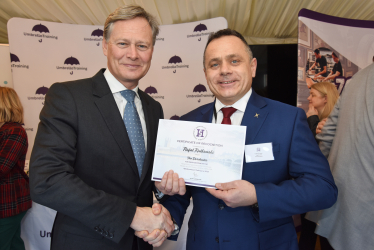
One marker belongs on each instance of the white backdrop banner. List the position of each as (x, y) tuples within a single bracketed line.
[(5, 67), (45, 52)]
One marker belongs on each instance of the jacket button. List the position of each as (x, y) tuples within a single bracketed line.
[(221, 206), (96, 228), (217, 239), (106, 233), (111, 236)]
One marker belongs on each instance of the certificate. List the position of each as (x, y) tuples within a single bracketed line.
[(203, 154)]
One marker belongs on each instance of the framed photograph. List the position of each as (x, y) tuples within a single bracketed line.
[(349, 73), (304, 35), (301, 62), (318, 42), (311, 56), (301, 74)]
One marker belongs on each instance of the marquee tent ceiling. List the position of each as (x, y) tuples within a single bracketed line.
[(260, 21)]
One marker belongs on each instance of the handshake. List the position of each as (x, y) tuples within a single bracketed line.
[(154, 225)]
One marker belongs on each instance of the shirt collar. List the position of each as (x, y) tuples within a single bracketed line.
[(115, 86), (240, 105)]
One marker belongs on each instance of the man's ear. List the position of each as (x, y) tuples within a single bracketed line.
[(105, 47), (253, 67)]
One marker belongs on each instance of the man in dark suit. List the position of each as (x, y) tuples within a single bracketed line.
[(255, 212), (93, 153)]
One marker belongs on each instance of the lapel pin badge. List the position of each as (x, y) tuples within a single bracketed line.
[(256, 115)]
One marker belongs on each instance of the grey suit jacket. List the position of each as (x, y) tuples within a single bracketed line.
[(348, 140), (82, 165)]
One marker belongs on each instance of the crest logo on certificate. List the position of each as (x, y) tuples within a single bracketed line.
[(202, 159), (200, 133)]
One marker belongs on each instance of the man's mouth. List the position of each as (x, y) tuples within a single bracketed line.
[(227, 82)]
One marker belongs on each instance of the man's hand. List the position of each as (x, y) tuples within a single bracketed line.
[(309, 82), (312, 111), (157, 237), (171, 184), (320, 126), (238, 193), (146, 220)]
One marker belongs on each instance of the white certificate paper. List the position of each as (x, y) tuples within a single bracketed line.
[(203, 154)]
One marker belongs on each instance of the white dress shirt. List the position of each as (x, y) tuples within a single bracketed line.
[(237, 116), (116, 87)]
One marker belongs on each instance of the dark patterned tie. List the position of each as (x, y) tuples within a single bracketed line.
[(227, 112), (134, 128)]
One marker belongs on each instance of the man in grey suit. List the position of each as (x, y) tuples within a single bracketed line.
[(93, 153), (347, 140)]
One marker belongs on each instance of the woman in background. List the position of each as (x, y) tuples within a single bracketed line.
[(14, 183), (322, 99)]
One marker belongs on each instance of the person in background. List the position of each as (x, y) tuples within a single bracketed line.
[(322, 99), (347, 142), (322, 62), (337, 70), (14, 183)]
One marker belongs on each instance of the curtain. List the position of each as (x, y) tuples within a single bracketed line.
[(259, 21)]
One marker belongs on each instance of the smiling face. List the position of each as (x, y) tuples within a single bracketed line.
[(229, 69), (129, 50), (317, 100)]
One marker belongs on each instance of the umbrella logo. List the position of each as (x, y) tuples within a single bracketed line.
[(72, 61), (97, 33), (199, 88), (174, 117), (175, 59), (200, 27), (14, 58), (41, 91), (150, 90), (40, 28)]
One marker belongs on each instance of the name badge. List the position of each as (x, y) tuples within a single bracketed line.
[(259, 152)]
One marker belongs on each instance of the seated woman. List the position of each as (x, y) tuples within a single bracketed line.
[(14, 183), (322, 99)]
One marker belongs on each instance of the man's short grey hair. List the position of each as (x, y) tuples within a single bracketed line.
[(227, 32), (129, 12)]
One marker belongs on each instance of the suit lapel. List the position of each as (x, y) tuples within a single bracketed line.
[(251, 120), (207, 113), (150, 124), (108, 108)]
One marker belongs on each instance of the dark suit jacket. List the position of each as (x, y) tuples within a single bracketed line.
[(213, 225), (82, 165)]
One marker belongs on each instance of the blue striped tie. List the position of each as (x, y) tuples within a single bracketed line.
[(134, 128)]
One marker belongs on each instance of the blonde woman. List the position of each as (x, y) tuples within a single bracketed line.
[(14, 183), (322, 99)]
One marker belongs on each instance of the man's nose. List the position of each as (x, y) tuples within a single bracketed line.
[(132, 52), (225, 68)]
